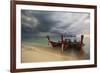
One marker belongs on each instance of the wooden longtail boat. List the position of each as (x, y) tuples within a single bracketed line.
[(66, 43)]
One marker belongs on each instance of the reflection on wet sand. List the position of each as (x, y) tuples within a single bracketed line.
[(38, 53)]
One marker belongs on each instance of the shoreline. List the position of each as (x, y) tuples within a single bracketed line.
[(38, 53)]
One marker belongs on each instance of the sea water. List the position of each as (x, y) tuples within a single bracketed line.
[(44, 41)]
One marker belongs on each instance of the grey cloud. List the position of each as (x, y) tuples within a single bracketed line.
[(41, 23), (73, 22)]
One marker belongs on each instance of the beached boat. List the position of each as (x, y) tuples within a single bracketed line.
[(67, 43)]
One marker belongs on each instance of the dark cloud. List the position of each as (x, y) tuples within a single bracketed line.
[(37, 23)]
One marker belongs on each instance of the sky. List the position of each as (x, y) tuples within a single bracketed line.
[(36, 23)]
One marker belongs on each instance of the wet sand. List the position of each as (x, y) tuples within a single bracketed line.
[(39, 53)]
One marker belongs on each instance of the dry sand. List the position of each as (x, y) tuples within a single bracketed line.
[(38, 53)]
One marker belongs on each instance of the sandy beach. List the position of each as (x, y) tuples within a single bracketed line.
[(39, 53)]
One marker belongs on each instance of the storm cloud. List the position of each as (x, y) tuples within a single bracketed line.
[(35, 23)]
